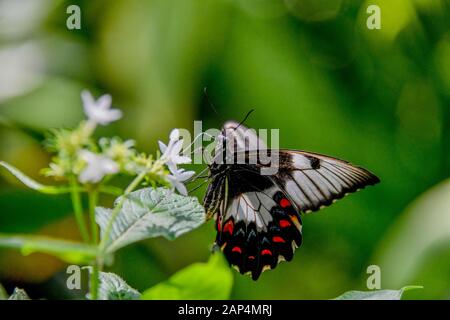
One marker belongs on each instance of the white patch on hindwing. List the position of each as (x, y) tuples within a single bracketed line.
[(253, 207)]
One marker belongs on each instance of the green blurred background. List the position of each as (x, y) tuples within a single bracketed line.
[(378, 98)]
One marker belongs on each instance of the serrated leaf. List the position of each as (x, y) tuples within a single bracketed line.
[(149, 213), (33, 184), (200, 281), (19, 294), (376, 294), (113, 287), (69, 251)]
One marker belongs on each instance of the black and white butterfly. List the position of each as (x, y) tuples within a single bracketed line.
[(258, 217)]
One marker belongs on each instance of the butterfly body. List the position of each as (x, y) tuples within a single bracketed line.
[(258, 216)]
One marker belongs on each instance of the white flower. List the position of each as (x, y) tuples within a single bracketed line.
[(177, 178), (99, 111), (171, 152), (97, 166)]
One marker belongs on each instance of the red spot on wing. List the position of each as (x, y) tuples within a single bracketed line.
[(278, 239), (236, 249), (284, 223), (266, 251), (228, 227), (285, 203)]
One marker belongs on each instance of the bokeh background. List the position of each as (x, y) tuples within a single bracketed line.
[(379, 98)]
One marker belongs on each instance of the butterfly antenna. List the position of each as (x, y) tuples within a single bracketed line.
[(198, 176), (199, 186), (205, 91), (245, 118), (200, 135)]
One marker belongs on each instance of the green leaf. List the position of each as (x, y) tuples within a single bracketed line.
[(19, 294), (113, 287), (69, 251), (412, 239), (200, 281), (33, 184), (376, 294), (149, 213), (3, 293)]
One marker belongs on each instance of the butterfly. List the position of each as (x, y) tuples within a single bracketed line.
[(258, 216)]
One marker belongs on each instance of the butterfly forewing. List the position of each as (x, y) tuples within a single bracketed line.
[(313, 180)]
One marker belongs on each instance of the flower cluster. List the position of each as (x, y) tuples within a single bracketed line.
[(78, 155)]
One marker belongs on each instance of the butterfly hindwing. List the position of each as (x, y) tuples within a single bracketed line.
[(257, 225), (258, 230)]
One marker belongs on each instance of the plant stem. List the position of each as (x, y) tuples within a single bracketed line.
[(94, 282), (94, 278), (93, 198), (115, 191), (106, 234), (117, 208), (78, 209)]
